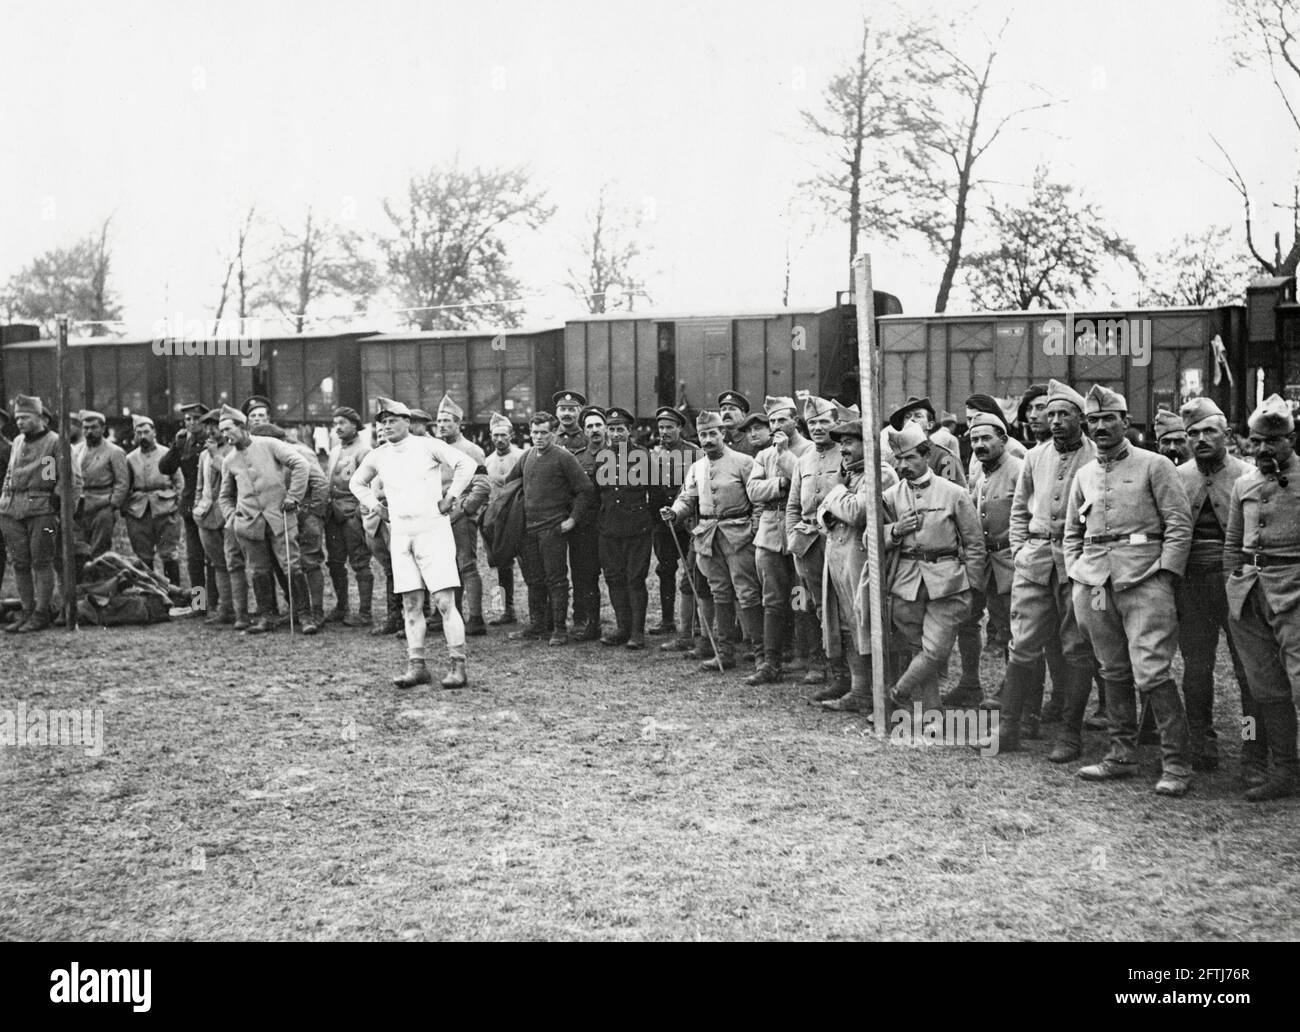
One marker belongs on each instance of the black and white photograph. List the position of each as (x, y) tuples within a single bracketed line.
[(609, 472)]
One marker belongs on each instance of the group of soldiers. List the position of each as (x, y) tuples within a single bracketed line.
[(1092, 558)]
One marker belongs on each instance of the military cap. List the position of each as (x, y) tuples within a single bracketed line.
[(30, 405), (234, 414), (1198, 410), (754, 417), (75, 417), (1273, 417), (1103, 399), (389, 407), (988, 419), (497, 423), (256, 401), (1036, 390), (138, 421), (1058, 391), (668, 412), (269, 430), (450, 407), (591, 410), (86, 414), (843, 415), (614, 414), (195, 406), (350, 414), (773, 405), (708, 420), (733, 398), (899, 415), (1168, 423), (904, 440), (419, 415), (212, 416), (814, 407), (568, 397), (847, 428), (988, 404)]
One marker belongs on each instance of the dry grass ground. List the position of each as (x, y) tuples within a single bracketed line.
[(270, 788)]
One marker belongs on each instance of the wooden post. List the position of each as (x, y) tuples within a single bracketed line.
[(868, 381), (67, 500)]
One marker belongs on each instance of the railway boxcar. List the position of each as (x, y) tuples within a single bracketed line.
[(512, 371), (1156, 357)]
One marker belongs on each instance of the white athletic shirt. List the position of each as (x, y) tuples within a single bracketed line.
[(412, 475)]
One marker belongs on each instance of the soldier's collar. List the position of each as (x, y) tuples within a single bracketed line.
[(923, 481), (1120, 451), (1209, 469), (1065, 449), (995, 466)]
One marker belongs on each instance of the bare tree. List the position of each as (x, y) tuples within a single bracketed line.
[(1202, 269), (610, 249), (948, 123), (859, 114), (72, 280), (238, 265), (319, 260), (446, 253), (1266, 36), (1049, 253)]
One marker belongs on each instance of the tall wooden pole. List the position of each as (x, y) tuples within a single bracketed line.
[(868, 389), (67, 500)]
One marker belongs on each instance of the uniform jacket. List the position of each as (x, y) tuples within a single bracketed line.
[(207, 510), (770, 496), (317, 499), (1014, 448), (715, 489), (571, 440), (1130, 491), (624, 493), (1264, 518), (469, 505), (184, 455), (948, 523), (105, 477), (815, 474), (343, 462), (992, 494), (1217, 487), (1039, 505), (253, 485), (153, 492), (674, 463), (31, 483), (739, 443), (842, 516)]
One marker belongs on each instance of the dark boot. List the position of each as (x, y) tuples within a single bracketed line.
[(416, 673), (339, 581), (638, 599), (27, 595), (751, 622), (559, 614), (394, 621), (239, 599), (725, 637), (859, 698), (1278, 720), (1100, 718), (816, 673), (211, 588), (621, 603), (172, 571), (224, 612), (1073, 694), (263, 591), (365, 594), (1055, 707), (686, 620), (456, 676), (1018, 682), (667, 598), (968, 691), (705, 623), (1166, 706), (769, 671)]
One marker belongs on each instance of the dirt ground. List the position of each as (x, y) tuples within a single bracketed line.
[(278, 788)]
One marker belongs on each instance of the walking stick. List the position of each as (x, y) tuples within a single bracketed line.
[(699, 612), (288, 574)]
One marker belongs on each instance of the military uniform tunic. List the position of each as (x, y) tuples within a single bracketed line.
[(107, 483), (769, 490), (715, 489), (153, 519)]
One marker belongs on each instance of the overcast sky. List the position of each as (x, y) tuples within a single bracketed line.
[(174, 116)]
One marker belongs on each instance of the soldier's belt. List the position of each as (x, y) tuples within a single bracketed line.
[(996, 544), (1258, 559), (728, 514), (929, 557), (1058, 538), (1128, 539)]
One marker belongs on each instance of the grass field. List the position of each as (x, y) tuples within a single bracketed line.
[(271, 788)]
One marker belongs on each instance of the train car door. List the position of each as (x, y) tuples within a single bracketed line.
[(704, 359)]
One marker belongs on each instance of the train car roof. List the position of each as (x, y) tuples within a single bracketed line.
[(92, 342), (721, 313), (526, 331), (1042, 313)]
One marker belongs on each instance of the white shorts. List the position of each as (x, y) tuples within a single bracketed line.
[(424, 560)]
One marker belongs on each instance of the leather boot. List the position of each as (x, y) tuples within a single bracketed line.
[(416, 673), (1073, 694), (1019, 681), (339, 581), (684, 641), (816, 673), (1100, 718), (472, 599), (394, 621), (859, 698), (44, 602), (840, 681), (1055, 706), (304, 606), (751, 623), (667, 599), (239, 599), (224, 612), (456, 676), (725, 636), (211, 586), (536, 625), (559, 614), (968, 691), (172, 571), (1166, 706), (365, 594), (638, 600), (264, 591), (621, 603), (27, 595), (707, 615), (316, 588), (769, 671), (1278, 720)]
